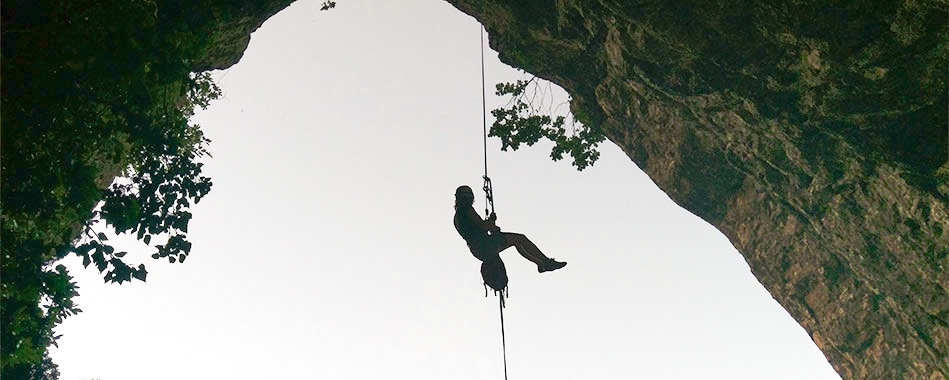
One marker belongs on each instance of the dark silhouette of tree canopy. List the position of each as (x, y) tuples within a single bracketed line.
[(93, 90)]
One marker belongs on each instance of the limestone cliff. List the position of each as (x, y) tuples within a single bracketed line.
[(813, 134)]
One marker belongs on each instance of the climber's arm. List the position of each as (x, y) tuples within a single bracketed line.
[(490, 223), (483, 224)]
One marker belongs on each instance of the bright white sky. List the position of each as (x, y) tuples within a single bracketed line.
[(326, 248)]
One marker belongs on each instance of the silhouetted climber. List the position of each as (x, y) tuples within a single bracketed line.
[(486, 241)]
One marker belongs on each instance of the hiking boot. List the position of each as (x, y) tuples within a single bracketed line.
[(550, 265)]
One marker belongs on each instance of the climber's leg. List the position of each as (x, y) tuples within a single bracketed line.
[(530, 251), (524, 246)]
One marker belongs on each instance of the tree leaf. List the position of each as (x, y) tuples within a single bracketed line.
[(140, 274)]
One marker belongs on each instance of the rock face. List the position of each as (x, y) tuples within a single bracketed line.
[(236, 20), (813, 134)]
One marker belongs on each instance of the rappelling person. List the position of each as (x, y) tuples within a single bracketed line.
[(485, 239)]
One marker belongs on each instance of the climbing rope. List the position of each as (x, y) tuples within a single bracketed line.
[(503, 342), (489, 194), (488, 189)]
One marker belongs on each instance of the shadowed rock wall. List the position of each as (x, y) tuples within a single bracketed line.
[(813, 134)]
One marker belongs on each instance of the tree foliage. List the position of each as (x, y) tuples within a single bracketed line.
[(530, 115), (92, 90)]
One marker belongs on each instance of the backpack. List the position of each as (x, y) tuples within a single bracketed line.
[(494, 275)]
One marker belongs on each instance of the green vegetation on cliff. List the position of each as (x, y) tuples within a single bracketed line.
[(531, 115), (93, 90)]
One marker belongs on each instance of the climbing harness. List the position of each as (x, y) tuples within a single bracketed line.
[(493, 273)]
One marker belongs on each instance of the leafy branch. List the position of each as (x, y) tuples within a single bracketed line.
[(531, 115), (161, 183)]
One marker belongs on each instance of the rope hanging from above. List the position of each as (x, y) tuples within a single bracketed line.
[(493, 273), (488, 189), (503, 342)]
